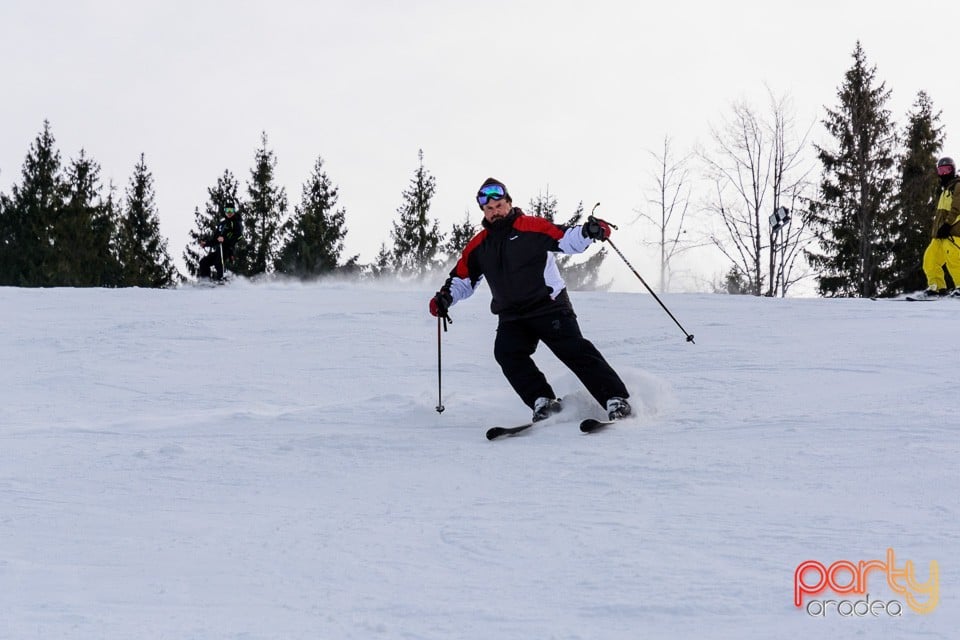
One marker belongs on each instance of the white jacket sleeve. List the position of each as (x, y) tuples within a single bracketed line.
[(573, 240), (461, 288)]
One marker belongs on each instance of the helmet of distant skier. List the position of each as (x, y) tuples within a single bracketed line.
[(946, 166)]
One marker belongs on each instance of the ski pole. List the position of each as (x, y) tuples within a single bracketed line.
[(223, 265), (640, 278), (440, 318)]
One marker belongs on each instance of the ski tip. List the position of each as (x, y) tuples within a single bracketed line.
[(496, 432), (590, 425)]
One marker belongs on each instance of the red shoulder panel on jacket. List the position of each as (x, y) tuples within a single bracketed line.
[(536, 224), (463, 270)]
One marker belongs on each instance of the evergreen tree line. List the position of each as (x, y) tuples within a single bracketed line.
[(876, 198), (59, 226)]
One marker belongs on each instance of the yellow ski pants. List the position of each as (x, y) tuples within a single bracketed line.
[(942, 251)]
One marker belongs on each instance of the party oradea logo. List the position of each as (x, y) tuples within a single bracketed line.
[(815, 582)]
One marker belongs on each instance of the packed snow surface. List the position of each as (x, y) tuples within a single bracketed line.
[(263, 461)]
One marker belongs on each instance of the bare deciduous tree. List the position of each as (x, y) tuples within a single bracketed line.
[(760, 161), (670, 205)]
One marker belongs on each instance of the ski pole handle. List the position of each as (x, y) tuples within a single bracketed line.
[(591, 217)]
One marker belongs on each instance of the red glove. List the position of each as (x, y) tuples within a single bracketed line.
[(596, 229), (440, 303)]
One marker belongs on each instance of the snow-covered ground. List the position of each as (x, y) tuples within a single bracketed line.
[(266, 461)]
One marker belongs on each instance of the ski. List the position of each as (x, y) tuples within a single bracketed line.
[(924, 297), (907, 299), (495, 432), (209, 284), (590, 425)]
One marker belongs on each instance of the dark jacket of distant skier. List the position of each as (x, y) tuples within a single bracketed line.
[(230, 228)]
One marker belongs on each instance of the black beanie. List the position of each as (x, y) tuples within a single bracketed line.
[(489, 181)]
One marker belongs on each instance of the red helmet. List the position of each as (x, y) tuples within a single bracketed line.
[(946, 166)]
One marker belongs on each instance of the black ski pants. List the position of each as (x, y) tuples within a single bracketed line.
[(517, 340), (212, 262)]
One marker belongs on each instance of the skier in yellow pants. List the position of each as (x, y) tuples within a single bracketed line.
[(944, 248)]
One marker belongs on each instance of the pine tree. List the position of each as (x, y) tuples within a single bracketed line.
[(544, 206), (142, 250), (923, 140), (84, 233), (58, 229), (205, 222), (315, 233), (853, 218), (191, 255), (416, 239), (736, 283), (460, 235), (264, 213), (6, 236), (382, 264), (115, 215), (29, 214)]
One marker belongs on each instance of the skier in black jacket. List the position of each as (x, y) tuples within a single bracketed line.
[(514, 252), (223, 241)]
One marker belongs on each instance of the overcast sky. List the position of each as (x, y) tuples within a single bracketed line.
[(565, 95)]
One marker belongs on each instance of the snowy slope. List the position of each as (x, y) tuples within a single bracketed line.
[(265, 461)]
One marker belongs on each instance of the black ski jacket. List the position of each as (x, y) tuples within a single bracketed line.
[(515, 255), (231, 228)]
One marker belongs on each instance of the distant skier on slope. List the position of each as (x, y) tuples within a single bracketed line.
[(223, 242), (943, 247), (514, 252)]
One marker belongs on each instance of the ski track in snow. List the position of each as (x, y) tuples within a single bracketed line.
[(265, 461)]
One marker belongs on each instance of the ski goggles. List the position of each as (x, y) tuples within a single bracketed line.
[(229, 210), (490, 192), (945, 169)]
